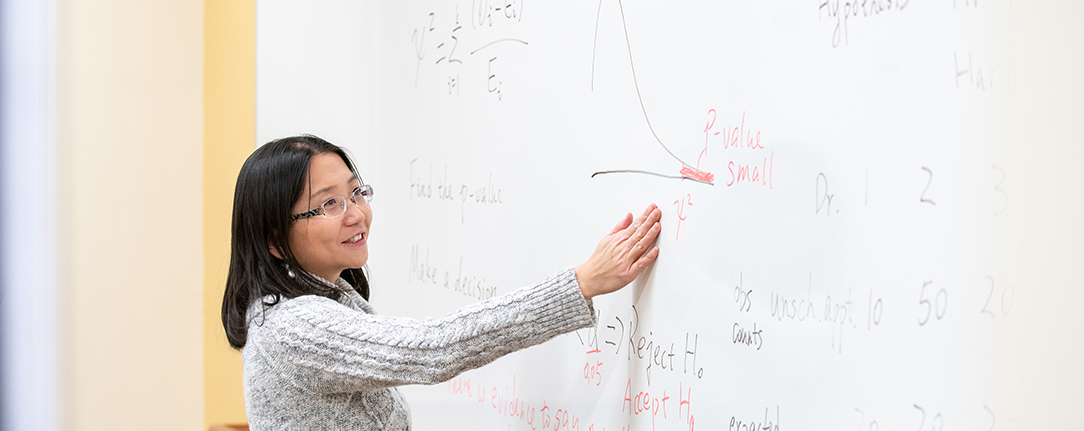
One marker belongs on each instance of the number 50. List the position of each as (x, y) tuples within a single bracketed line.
[(937, 308)]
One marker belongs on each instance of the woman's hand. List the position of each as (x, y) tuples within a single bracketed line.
[(622, 255)]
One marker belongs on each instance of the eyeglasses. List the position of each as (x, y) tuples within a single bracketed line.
[(336, 206)]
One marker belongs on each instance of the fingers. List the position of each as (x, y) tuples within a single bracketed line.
[(648, 237), (645, 260), (630, 228), (621, 225), (650, 209), (650, 219), (639, 241), (643, 217)]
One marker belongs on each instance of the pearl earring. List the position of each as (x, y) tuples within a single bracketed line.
[(289, 272)]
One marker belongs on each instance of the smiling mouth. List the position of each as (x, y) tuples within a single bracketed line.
[(355, 238)]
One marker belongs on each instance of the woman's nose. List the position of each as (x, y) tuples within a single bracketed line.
[(353, 214)]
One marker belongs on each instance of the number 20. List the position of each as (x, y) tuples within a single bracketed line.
[(938, 422)]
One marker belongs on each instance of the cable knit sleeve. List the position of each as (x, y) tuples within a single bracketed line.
[(325, 347)]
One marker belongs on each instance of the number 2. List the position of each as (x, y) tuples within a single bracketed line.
[(991, 295), (922, 199)]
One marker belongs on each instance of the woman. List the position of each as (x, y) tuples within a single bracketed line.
[(316, 356)]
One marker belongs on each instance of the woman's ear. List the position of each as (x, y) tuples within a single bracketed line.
[(274, 249)]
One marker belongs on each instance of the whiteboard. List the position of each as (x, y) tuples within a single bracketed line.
[(834, 177)]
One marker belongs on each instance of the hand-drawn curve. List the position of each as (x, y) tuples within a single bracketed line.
[(687, 172)]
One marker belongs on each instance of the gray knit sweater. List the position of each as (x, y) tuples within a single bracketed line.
[(312, 363)]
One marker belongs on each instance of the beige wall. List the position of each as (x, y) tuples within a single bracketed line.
[(1043, 237), (130, 120), (229, 137)]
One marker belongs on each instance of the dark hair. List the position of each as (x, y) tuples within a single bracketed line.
[(270, 182)]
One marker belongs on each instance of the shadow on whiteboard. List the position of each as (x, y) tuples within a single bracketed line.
[(639, 285)]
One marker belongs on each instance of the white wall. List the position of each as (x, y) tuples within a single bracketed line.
[(1043, 242), (28, 307)]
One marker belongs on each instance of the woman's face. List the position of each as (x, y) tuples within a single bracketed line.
[(327, 246)]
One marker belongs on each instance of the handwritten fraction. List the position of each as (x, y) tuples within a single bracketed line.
[(440, 45)]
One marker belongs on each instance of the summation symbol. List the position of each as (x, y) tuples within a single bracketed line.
[(452, 37)]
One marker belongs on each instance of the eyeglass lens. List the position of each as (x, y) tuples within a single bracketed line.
[(336, 206)]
